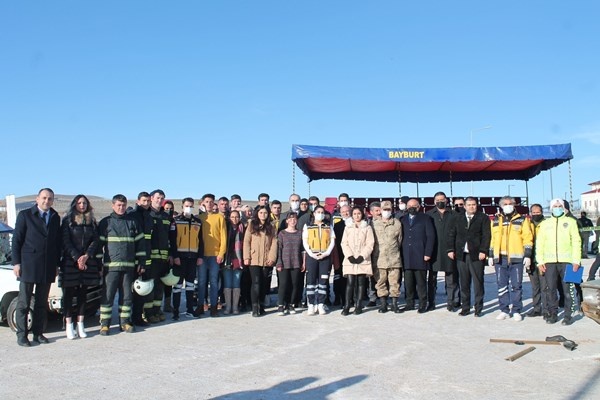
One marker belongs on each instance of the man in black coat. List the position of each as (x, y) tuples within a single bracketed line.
[(442, 216), (418, 233), (36, 249), (468, 243)]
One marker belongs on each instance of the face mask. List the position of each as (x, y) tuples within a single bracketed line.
[(441, 205), (402, 206), (319, 217), (348, 220), (508, 209), (385, 214), (312, 207), (459, 208), (558, 211), (188, 210), (537, 218), (412, 210), (295, 205), (343, 203)]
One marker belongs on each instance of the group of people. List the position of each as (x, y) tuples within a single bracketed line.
[(227, 253)]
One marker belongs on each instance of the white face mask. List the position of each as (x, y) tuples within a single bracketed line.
[(188, 210), (508, 209), (402, 206), (385, 214), (295, 205), (319, 216), (343, 203), (312, 207)]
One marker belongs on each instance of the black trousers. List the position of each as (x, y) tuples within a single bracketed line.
[(471, 271), (289, 286), (187, 273), (339, 286), (431, 287), (40, 305), (258, 288), (415, 279), (67, 300), (554, 272), (538, 291)]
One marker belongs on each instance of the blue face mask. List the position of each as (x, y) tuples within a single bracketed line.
[(558, 211)]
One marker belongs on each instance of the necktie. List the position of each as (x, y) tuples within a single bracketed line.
[(45, 217), (469, 221)]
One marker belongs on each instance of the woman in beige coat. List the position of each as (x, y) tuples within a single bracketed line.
[(357, 245), (260, 254)]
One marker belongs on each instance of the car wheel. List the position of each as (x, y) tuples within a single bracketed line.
[(11, 316)]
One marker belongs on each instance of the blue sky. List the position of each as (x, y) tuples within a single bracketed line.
[(209, 96)]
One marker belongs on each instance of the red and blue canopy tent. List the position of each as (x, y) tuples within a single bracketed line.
[(428, 165)]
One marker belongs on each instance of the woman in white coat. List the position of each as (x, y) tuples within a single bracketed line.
[(357, 245)]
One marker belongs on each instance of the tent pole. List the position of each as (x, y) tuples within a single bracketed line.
[(451, 193), (527, 192), (293, 177), (418, 190)]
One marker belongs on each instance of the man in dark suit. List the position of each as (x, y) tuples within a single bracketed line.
[(468, 243), (418, 242), (36, 253)]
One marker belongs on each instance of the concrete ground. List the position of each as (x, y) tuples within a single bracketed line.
[(437, 355)]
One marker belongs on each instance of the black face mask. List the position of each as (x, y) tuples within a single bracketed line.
[(412, 210), (441, 205), (537, 218)]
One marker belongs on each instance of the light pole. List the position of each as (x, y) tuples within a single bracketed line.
[(471, 144), (477, 130), (509, 189)]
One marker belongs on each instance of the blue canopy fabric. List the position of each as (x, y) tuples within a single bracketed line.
[(424, 165), (5, 228)]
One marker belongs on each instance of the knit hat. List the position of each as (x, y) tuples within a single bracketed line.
[(555, 202)]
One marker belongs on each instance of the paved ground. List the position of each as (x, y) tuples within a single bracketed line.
[(371, 356)]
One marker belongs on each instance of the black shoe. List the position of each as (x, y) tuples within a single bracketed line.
[(199, 311), (464, 313), (431, 307), (534, 313), (140, 322), (565, 321), (255, 310), (43, 339), (371, 304), (23, 341), (175, 315), (456, 305), (346, 311), (450, 308), (422, 310), (478, 314), (214, 312), (358, 309), (552, 319), (408, 307)]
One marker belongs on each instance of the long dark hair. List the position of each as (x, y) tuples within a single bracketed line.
[(88, 213), (257, 227)]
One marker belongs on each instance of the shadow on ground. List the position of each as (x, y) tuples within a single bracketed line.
[(293, 389)]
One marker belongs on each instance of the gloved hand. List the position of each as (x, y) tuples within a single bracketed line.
[(527, 263), (359, 259), (352, 259), (491, 262)]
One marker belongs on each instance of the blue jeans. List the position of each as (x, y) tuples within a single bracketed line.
[(209, 270), (231, 278), (513, 294)]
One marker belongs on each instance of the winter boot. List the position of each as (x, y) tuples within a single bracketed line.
[(228, 301), (383, 308), (235, 301), (255, 310), (81, 327), (69, 329), (394, 307), (359, 299)]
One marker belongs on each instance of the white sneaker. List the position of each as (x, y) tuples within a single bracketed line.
[(517, 317), (81, 330), (322, 310), (503, 315), (311, 309), (71, 334)]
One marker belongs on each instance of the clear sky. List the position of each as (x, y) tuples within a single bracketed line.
[(209, 96)]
